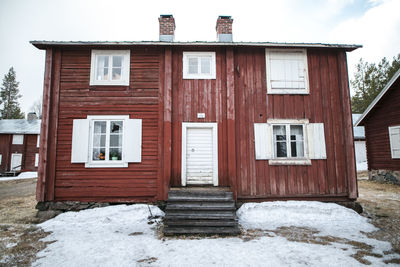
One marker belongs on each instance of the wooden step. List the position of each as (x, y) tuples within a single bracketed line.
[(201, 230), (212, 206), (211, 223)]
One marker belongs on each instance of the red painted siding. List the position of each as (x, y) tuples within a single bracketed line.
[(386, 113)]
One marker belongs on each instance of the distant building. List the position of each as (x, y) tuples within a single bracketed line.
[(19, 145), (359, 145)]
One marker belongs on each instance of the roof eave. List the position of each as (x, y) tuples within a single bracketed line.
[(47, 44), (361, 120)]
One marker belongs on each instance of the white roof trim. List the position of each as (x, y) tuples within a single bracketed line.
[(378, 97)]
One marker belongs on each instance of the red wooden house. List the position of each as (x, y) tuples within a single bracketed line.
[(19, 145), (382, 131), (127, 121)]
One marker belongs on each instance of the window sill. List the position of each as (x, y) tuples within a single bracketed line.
[(106, 165), (109, 83), (289, 162), (190, 77), (287, 92)]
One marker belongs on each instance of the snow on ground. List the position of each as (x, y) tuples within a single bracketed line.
[(21, 176), (123, 235)]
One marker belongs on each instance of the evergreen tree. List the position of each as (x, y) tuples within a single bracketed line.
[(369, 80), (9, 95)]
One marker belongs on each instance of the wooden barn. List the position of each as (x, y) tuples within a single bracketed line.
[(130, 121), (382, 131), (19, 145)]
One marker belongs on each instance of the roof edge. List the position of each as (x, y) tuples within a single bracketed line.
[(360, 121), (45, 44)]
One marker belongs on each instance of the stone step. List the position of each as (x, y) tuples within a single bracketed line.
[(201, 215), (201, 230), (210, 223), (199, 193), (198, 198), (212, 206)]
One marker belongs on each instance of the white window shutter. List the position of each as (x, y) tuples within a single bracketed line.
[(133, 141), (263, 140), (80, 141), (316, 141), (394, 135)]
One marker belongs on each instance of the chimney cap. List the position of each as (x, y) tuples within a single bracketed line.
[(166, 16), (224, 17)]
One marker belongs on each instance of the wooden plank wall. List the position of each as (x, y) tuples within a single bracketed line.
[(190, 97), (30, 152), (324, 178), (386, 113), (139, 181), (5, 148)]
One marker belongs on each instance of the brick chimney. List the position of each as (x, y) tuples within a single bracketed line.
[(224, 29), (31, 116), (167, 28)]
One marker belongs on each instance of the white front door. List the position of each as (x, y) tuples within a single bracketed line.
[(16, 160), (199, 154)]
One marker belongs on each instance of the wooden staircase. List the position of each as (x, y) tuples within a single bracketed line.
[(207, 210)]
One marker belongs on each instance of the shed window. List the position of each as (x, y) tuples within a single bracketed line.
[(199, 65), (287, 71), (36, 159), (106, 141), (18, 139), (394, 136), (110, 67), (38, 140)]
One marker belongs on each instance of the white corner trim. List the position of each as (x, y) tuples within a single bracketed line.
[(125, 67), (185, 65), (270, 90), (214, 127)]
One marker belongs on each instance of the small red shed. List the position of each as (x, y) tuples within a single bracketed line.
[(19, 145), (382, 132), (126, 121)]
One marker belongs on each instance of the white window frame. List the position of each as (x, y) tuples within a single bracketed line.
[(18, 139), (106, 163), (270, 90), (124, 71), (187, 75), (391, 141), (1, 158), (36, 159), (290, 160), (38, 141)]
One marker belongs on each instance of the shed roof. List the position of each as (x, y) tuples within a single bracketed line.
[(371, 106), (46, 44), (359, 131), (20, 126)]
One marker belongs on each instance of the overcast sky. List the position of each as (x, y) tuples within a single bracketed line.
[(375, 24)]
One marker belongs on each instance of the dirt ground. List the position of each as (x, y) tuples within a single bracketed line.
[(20, 237)]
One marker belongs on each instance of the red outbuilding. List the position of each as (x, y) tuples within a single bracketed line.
[(19, 145), (382, 132), (128, 121)]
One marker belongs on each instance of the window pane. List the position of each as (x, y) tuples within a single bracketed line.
[(297, 131), (193, 65), (115, 154), (102, 67), (296, 144), (279, 132), (117, 61), (116, 140), (100, 127), (205, 65), (116, 73), (116, 127), (99, 140), (99, 154)]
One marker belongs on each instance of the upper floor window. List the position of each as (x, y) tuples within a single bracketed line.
[(199, 65), (394, 136), (18, 139), (287, 71), (110, 67)]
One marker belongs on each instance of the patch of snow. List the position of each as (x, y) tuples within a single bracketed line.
[(21, 176), (362, 166), (122, 236)]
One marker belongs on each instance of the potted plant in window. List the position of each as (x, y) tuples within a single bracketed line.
[(114, 155)]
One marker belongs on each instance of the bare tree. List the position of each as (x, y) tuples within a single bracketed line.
[(37, 108)]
